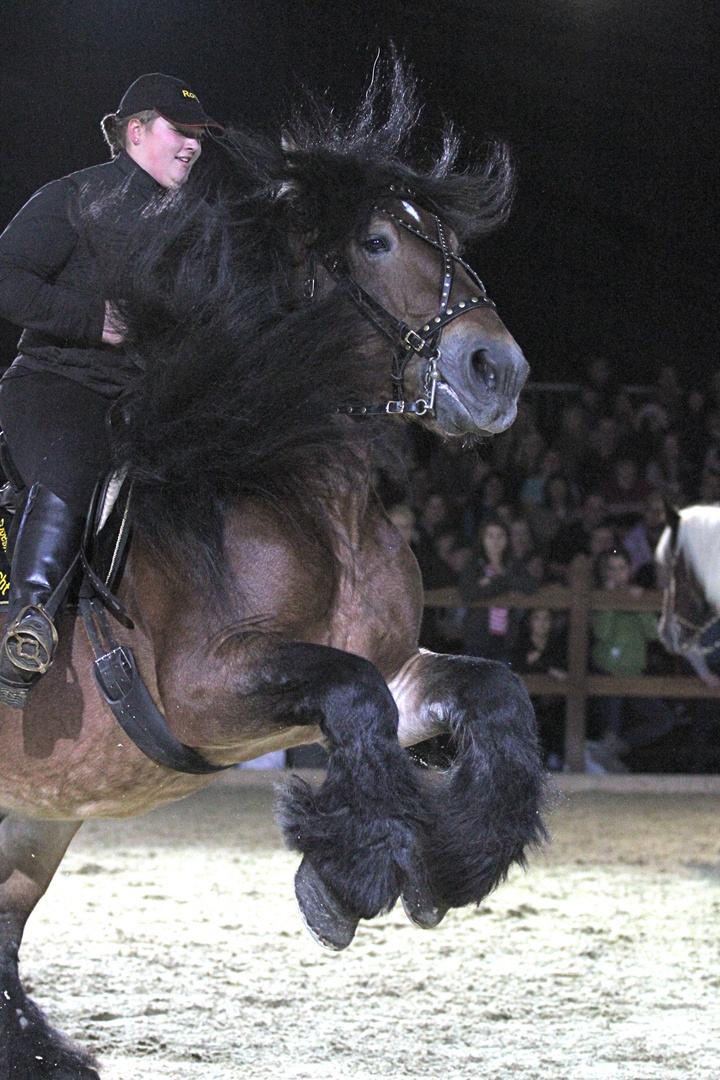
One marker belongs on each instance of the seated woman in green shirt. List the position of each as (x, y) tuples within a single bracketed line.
[(620, 647)]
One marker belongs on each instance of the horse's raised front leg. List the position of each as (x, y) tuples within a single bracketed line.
[(359, 831), (30, 853), (486, 806)]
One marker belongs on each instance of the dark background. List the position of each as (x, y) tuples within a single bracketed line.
[(606, 104)]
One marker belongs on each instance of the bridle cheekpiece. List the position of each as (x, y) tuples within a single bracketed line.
[(705, 636), (423, 342)]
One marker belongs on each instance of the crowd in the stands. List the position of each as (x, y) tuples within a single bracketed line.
[(586, 470)]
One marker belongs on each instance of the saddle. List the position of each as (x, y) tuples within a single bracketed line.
[(99, 567), (104, 547)]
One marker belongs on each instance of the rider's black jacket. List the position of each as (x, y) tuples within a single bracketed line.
[(50, 283)]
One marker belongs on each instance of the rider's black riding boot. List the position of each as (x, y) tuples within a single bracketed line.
[(47, 541)]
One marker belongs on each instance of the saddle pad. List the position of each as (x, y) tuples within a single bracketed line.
[(5, 521)]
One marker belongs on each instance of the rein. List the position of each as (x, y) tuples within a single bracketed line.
[(422, 342)]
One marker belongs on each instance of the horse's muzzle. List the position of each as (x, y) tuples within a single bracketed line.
[(482, 371)]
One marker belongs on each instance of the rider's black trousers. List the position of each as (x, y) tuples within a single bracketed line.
[(56, 433)]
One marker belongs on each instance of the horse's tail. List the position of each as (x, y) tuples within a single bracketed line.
[(487, 804)]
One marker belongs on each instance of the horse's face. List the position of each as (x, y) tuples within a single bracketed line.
[(481, 369), (686, 610)]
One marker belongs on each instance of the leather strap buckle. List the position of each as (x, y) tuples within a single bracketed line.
[(414, 341)]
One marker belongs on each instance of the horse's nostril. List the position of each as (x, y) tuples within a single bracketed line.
[(485, 369)]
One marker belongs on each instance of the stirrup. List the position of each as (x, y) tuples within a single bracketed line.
[(30, 640)]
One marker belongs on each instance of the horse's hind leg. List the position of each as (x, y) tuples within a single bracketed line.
[(30, 853)]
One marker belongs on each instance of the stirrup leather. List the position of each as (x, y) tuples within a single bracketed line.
[(30, 640)]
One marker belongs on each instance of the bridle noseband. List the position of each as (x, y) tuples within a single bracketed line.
[(422, 342)]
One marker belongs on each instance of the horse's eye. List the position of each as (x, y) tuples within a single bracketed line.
[(375, 244)]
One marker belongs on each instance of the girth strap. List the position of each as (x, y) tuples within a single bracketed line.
[(123, 689)]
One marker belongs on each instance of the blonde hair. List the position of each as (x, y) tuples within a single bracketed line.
[(114, 128)]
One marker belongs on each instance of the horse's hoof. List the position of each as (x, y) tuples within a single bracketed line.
[(420, 908), (326, 919)]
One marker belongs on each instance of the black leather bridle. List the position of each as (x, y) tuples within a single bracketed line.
[(422, 342)]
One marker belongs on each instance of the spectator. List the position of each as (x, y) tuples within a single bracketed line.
[(432, 524), (597, 393), (528, 454), (522, 544), (603, 446), (602, 539), (491, 631), (667, 474), (432, 514), (557, 509), (623, 411), (571, 445), (626, 492), (484, 505), (640, 542), (709, 490), (714, 390), (503, 448), (711, 457), (691, 421), (453, 471), (575, 535), (532, 492), (542, 650), (668, 392), (620, 642), (522, 550), (651, 424), (436, 548)]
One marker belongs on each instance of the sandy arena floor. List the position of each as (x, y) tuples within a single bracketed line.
[(171, 946)]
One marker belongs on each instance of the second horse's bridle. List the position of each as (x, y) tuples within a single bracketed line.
[(406, 342), (705, 639)]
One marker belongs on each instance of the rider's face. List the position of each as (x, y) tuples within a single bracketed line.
[(164, 150)]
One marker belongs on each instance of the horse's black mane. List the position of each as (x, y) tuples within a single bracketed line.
[(241, 376)]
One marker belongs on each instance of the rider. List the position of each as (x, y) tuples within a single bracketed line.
[(55, 397)]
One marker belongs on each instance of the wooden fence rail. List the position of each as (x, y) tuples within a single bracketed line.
[(580, 599)]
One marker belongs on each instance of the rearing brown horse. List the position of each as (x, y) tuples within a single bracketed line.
[(274, 603)]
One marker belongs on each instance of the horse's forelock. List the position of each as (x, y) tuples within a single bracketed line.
[(334, 169)]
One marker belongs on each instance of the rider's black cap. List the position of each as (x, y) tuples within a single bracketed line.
[(170, 97)]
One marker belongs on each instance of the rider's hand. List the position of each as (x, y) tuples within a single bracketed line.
[(113, 330)]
